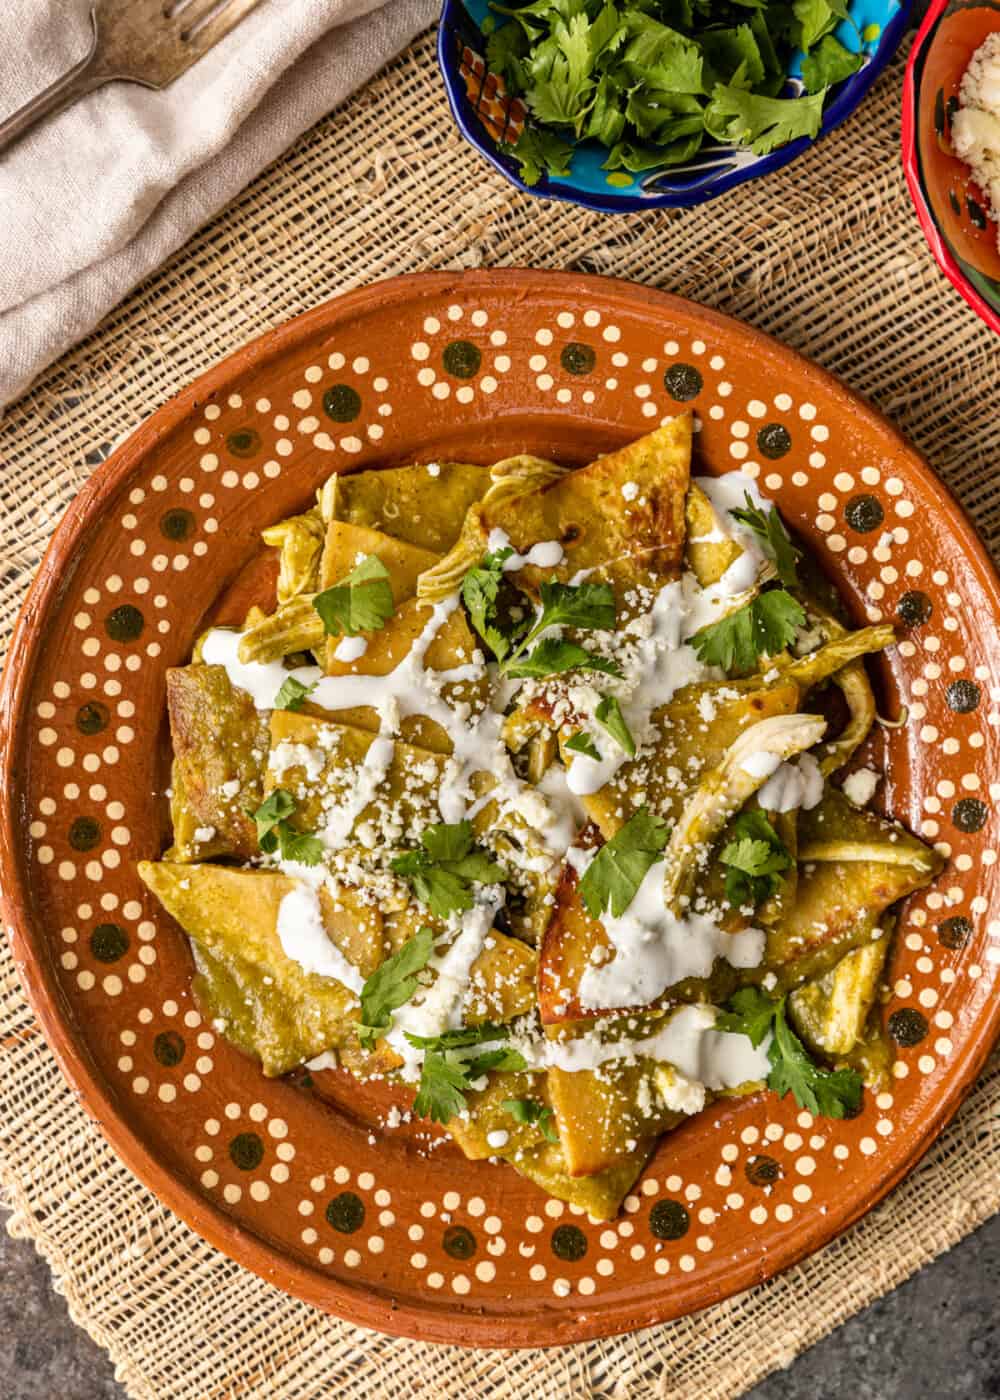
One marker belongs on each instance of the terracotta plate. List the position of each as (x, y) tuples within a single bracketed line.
[(166, 534)]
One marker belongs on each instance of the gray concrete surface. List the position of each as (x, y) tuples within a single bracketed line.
[(936, 1338)]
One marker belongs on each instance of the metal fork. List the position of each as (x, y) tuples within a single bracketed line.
[(151, 42)]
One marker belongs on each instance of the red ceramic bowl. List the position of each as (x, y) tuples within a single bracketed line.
[(950, 205)]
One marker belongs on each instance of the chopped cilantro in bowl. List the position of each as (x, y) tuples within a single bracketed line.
[(616, 104)]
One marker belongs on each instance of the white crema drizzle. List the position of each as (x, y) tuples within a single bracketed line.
[(654, 949), (688, 1042), (439, 1008), (303, 937), (663, 662)]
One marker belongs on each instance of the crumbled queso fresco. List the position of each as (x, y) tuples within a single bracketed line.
[(975, 127)]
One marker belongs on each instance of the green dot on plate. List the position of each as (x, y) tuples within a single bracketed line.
[(459, 1242), (92, 717), (345, 1213), (168, 1048), (245, 442), (461, 359), (85, 833), (669, 1220), (342, 403), (577, 358), (109, 942), (246, 1151), (124, 623)]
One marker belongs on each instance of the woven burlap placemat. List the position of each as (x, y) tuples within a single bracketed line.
[(825, 254)]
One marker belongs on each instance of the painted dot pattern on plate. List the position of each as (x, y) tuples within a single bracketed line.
[(268, 1153)]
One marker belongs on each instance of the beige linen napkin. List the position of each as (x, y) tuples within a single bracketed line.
[(97, 197)]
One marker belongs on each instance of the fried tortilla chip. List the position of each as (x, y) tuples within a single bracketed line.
[(420, 505), (600, 1195), (575, 941), (232, 915), (346, 544), (696, 729), (629, 535), (831, 1012), (219, 742), (453, 645), (854, 866), (327, 767)]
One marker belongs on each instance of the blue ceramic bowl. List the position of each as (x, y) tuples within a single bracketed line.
[(715, 169)]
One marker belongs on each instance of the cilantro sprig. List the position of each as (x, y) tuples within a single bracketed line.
[(762, 123), (530, 1111), (826, 1093), (480, 594), (763, 627), (520, 648), (451, 1068), (360, 602), (770, 530), (754, 859), (652, 91), (612, 878), (392, 985), (609, 716), (583, 743), (443, 868), (276, 834), (293, 694)]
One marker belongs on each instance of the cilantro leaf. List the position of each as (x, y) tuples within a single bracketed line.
[(447, 840), (620, 866), (443, 1085), (755, 856), (442, 892), (480, 590), (762, 123), (609, 716), (583, 743), (629, 155), (539, 152), (531, 1111), (774, 538), (750, 1012), (392, 985), (606, 119), (506, 1060), (585, 605), (360, 602), (762, 627), (292, 694), (447, 1075), (302, 846), (552, 657), (735, 53), (444, 866), (506, 51), (829, 63), (815, 18), (662, 57), (274, 832), (460, 1037), (663, 117), (824, 1092), (278, 805)]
